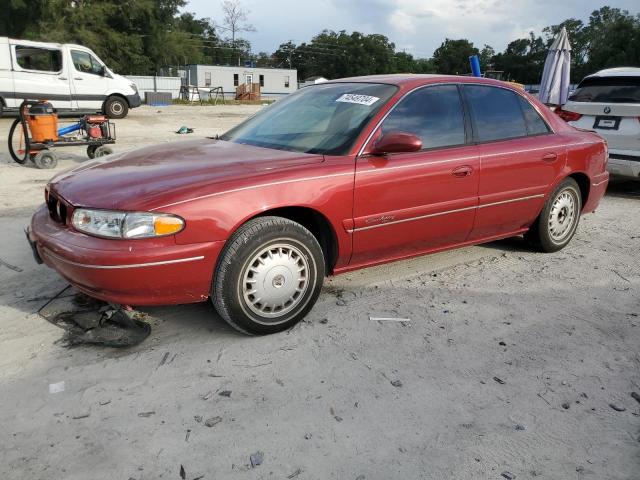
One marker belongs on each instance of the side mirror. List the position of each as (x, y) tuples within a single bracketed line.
[(396, 142), (103, 71)]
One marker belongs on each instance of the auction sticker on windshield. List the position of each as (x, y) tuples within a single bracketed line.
[(359, 99)]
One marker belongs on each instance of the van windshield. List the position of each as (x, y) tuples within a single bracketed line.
[(324, 119), (608, 90)]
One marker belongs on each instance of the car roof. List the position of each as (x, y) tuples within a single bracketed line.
[(411, 79), (617, 72)]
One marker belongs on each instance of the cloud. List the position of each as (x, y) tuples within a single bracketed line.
[(420, 26)]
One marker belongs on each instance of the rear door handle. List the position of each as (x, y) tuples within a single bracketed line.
[(550, 157), (77, 78), (463, 171), (62, 78)]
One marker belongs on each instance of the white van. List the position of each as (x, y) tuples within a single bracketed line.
[(71, 77)]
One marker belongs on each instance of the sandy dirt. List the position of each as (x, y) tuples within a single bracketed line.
[(508, 368)]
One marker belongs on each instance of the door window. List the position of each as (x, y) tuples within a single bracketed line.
[(434, 114), (496, 113), (535, 124), (39, 59), (207, 79), (86, 63)]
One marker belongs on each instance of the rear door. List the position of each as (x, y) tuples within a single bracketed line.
[(407, 203), (6, 75), (40, 73), (520, 157), (89, 82)]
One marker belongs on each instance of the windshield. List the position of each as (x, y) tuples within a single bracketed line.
[(608, 90), (323, 119)]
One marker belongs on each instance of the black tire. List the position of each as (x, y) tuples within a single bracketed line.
[(91, 151), (45, 159), (116, 107), (294, 246), (1, 107), (101, 151), (549, 233), (17, 157)]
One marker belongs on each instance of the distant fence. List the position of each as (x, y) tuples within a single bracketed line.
[(157, 84)]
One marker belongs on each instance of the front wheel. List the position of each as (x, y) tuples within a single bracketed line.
[(269, 276), (116, 107), (559, 218)]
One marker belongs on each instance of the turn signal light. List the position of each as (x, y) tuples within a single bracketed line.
[(167, 225)]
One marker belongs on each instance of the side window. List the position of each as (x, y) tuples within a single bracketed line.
[(496, 113), (236, 79), (286, 82), (434, 114), (262, 80), (85, 62), (535, 124), (40, 59)]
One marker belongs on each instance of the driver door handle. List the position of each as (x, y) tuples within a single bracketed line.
[(63, 78), (77, 78), (463, 171)]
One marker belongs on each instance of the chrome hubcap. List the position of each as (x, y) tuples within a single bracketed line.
[(117, 108), (562, 216), (275, 280)]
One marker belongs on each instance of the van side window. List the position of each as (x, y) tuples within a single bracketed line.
[(85, 62), (40, 59)]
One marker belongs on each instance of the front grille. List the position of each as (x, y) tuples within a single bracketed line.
[(57, 209)]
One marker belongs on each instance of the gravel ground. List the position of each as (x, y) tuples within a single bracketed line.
[(515, 364)]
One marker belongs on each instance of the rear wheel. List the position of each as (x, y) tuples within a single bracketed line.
[(101, 151), (45, 159), (116, 107), (269, 276), (559, 218)]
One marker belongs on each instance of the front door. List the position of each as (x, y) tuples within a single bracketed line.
[(408, 203), (520, 158), (40, 74), (89, 80)]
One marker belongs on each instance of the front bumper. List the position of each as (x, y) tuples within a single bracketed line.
[(134, 100), (137, 272)]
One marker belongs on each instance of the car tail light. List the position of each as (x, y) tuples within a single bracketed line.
[(568, 116)]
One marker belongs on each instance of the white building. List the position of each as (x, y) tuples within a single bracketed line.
[(274, 82)]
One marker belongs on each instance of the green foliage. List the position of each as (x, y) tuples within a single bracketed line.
[(140, 36), (452, 57)]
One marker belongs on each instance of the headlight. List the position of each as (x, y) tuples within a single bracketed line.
[(113, 224)]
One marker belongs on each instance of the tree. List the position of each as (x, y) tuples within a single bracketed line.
[(235, 20), (452, 57), (523, 59)]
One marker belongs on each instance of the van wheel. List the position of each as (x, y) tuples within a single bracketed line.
[(116, 107), (559, 219), (269, 276)]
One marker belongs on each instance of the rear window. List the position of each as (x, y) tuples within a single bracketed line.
[(608, 90)]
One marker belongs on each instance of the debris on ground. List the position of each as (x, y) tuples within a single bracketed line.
[(146, 414), (225, 393), (256, 459), (618, 408), (98, 323), (499, 380), (56, 387), (566, 405), (213, 421), (396, 383), (183, 474), (81, 416), (294, 474), (635, 396), (388, 319), (198, 418), (519, 427), (10, 267), (184, 130), (508, 475)]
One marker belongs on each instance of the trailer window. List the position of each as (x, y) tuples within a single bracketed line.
[(40, 59), (85, 62), (207, 79)]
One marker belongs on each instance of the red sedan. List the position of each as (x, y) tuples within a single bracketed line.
[(336, 177)]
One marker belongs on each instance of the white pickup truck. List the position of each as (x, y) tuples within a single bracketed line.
[(71, 77)]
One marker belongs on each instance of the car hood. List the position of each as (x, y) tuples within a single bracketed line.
[(150, 177)]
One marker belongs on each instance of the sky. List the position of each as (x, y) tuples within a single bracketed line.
[(417, 26)]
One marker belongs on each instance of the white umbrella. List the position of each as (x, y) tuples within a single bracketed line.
[(554, 86)]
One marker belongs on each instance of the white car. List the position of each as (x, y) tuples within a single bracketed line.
[(71, 77), (608, 102)]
